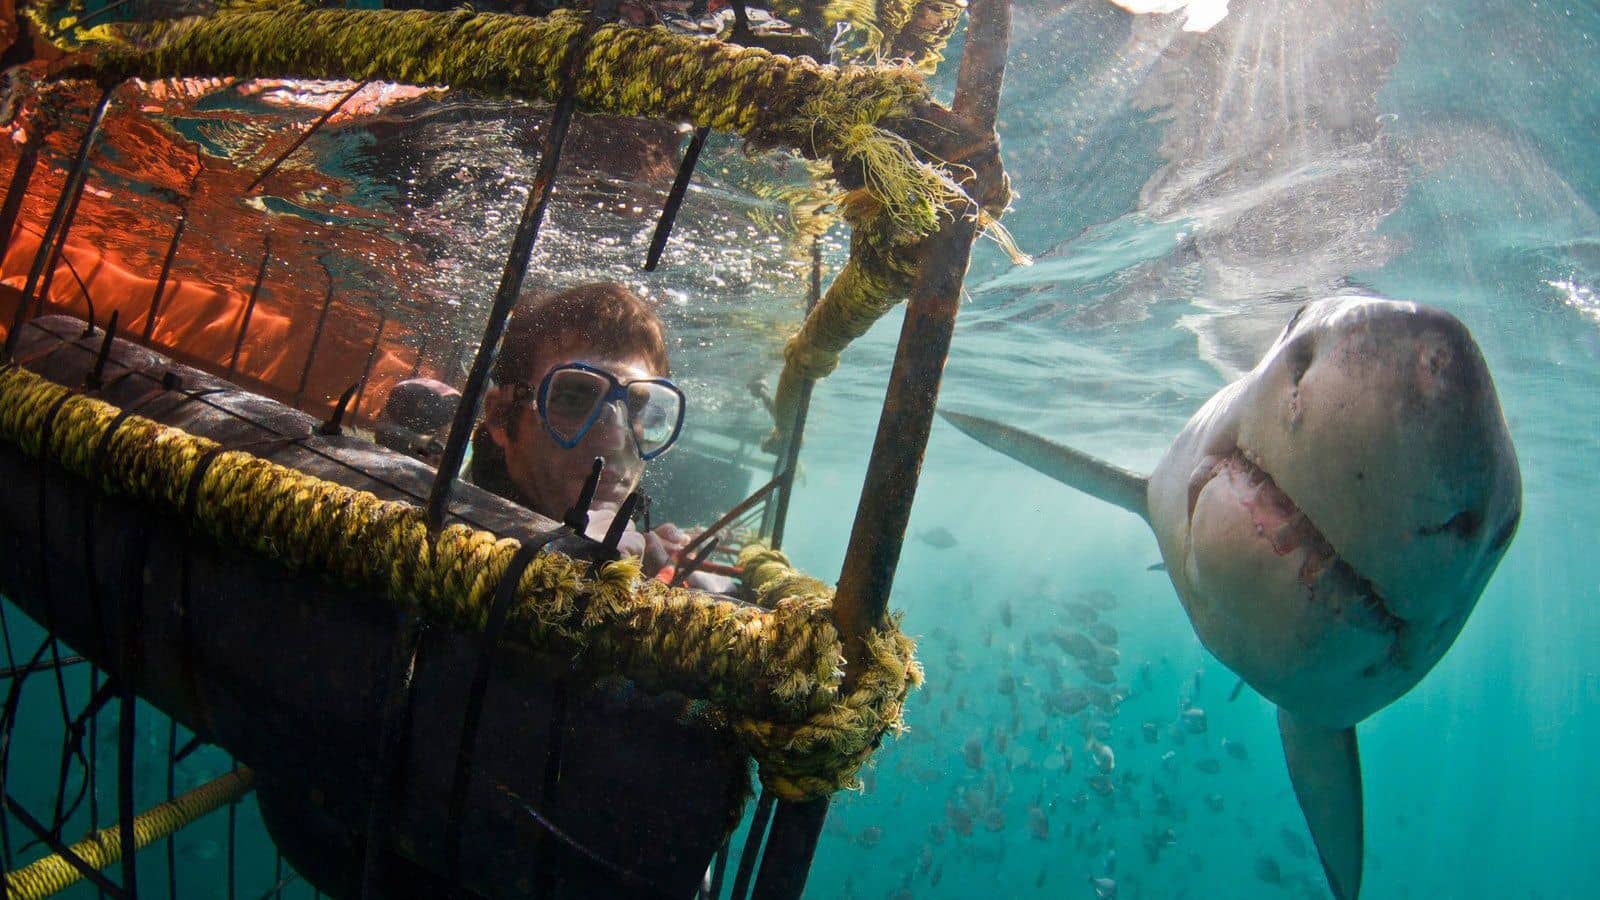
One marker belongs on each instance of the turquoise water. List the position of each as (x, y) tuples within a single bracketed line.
[(1180, 210), (1183, 195)]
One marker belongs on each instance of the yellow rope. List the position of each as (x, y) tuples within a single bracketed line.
[(771, 100), (52, 874), (882, 30), (773, 670), (823, 753)]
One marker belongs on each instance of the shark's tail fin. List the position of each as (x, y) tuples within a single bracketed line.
[(1098, 478)]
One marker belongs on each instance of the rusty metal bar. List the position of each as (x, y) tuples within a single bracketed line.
[(739, 509), (891, 482), (366, 369), (166, 265), (754, 840), (30, 668), (81, 173), (791, 845)]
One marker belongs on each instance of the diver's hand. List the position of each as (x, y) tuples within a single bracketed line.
[(712, 584), (655, 548), (662, 545)]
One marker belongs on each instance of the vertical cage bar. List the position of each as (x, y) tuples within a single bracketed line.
[(166, 267), (316, 340), (21, 178), (680, 187), (791, 448), (366, 369), (250, 305)]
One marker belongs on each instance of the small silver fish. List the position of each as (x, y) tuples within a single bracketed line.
[(972, 753), (1104, 758), (994, 821), (1081, 613), (1099, 674), (938, 537), (1077, 645), (1101, 600), (1104, 633)]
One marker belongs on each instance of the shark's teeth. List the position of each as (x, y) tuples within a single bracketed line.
[(1329, 579)]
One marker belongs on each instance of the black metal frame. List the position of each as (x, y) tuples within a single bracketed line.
[(60, 220)]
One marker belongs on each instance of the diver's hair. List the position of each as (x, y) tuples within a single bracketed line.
[(602, 317)]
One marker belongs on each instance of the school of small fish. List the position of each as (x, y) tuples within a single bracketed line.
[(1068, 748)]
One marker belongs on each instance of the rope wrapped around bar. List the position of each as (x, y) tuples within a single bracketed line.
[(915, 31), (50, 875), (876, 278), (821, 754), (774, 671)]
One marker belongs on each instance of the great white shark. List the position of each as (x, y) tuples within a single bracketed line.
[(1329, 521)]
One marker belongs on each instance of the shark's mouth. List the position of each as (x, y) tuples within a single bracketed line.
[(1329, 580)]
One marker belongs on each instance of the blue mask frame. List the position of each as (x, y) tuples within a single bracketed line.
[(618, 390)]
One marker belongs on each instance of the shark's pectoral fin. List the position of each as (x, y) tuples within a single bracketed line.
[(1325, 767), (1095, 477)]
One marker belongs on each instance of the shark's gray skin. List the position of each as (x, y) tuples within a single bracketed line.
[(1328, 521)]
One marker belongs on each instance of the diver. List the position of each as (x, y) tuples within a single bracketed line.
[(582, 373)]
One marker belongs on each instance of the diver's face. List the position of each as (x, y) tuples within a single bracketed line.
[(550, 475)]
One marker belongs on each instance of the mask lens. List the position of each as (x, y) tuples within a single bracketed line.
[(654, 411), (570, 399)]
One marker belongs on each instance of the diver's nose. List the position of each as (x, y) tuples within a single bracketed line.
[(610, 436)]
